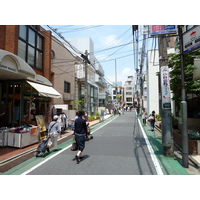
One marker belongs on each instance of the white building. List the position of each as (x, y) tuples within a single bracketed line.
[(95, 77), (152, 83), (129, 91)]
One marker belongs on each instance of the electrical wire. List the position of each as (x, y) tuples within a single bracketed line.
[(81, 29)]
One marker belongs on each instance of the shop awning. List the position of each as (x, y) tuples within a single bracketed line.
[(44, 90)]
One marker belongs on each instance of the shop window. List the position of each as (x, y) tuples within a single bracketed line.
[(30, 46), (66, 87)]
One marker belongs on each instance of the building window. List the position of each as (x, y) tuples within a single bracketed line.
[(188, 27), (128, 99), (66, 87), (128, 88), (128, 93), (30, 46)]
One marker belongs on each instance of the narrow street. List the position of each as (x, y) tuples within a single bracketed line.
[(118, 148)]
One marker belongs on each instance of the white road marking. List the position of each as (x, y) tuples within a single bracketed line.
[(151, 151), (49, 158)]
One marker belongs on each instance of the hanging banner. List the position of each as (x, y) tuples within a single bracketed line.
[(163, 29), (165, 88)]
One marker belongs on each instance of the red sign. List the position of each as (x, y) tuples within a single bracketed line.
[(156, 28)]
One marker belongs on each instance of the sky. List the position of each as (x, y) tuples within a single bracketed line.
[(113, 47)]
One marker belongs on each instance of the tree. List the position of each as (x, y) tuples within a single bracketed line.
[(191, 86), (80, 104)]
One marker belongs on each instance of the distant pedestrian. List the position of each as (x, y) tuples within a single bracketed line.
[(119, 111), (53, 130), (80, 131), (152, 122), (76, 115), (102, 115), (144, 117)]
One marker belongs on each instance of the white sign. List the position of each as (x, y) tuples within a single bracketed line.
[(191, 39), (61, 106), (165, 87)]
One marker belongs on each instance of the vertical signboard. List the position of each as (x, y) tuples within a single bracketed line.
[(165, 87), (163, 29)]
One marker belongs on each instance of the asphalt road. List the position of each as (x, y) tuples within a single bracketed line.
[(118, 148)]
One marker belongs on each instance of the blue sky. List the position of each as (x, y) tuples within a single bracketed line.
[(111, 42)]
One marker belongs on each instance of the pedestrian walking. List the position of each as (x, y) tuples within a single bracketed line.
[(119, 111), (80, 131), (102, 115), (152, 121), (53, 130), (144, 117)]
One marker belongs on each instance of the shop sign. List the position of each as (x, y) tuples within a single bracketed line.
[(165, 86), (163, 29), (7, 68), (191, 39)]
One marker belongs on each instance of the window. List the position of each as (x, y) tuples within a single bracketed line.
[(128, 88), (189, 27), (128, 93), (128, 99), (66, 87), (30, 46)]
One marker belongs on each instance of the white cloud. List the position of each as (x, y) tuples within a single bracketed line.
[(110, 40)]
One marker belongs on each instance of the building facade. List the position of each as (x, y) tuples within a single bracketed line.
[(63, 74), (97, 93), (25, 74), (129, 91)]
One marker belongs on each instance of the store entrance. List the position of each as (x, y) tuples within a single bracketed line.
[(10, 104)]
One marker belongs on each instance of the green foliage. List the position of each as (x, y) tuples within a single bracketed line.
[(158, 117), (91, 118), (80, 104), (191, 86), (98, 115)]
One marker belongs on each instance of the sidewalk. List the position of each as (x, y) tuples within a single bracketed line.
[(9, 154), (171, 165), (194, 158)]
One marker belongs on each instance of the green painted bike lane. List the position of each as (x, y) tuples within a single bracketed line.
[(169, 165), (28, 164)]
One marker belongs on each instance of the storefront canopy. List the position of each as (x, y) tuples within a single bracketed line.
[(44, 90)]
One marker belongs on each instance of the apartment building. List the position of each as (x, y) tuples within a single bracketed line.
[(129, 88)]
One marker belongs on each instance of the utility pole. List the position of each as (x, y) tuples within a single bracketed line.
[(183, 105), (116, 88), (86, 62), (167, 142)]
